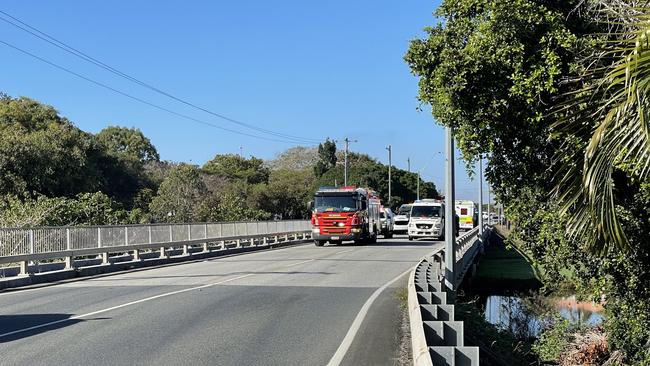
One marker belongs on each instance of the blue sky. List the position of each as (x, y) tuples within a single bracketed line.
[(311, 69)]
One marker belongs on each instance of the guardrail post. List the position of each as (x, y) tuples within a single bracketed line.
[(223, 244), (264, 241), (31, 241), (238, 243), (105, 258), (69, 260), (24, 268), (163, 253), (205, 247), (275, 239), (136, 255), (186, 249)]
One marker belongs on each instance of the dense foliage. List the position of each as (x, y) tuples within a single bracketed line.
[(500, 73), (53, 173)]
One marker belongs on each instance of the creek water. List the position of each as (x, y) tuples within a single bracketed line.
[(527, 316)]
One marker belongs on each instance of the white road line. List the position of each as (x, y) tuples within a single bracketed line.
[(356, 324), (123, 305), (295, 264), (344, 251)]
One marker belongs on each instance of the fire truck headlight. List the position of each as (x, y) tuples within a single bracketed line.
[(341, 224)]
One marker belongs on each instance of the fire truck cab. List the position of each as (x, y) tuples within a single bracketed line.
[(346, 213)]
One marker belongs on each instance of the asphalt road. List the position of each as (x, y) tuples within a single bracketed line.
[(302, 305)]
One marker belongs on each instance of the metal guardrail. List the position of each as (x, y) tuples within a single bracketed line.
[(437, 338), (31, 244)]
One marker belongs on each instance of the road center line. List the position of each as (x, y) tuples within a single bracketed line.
[(295, 264), (123, 305), (356, 324)]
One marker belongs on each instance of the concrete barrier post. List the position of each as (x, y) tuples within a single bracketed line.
[(105, 258), (163, 253), (136, 255), (24, 268), (186, 250), (69, 262), (205, 247), (238, 243)]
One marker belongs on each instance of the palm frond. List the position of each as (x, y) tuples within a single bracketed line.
[(615, 103)]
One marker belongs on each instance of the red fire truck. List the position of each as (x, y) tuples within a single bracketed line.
[(345, 213)]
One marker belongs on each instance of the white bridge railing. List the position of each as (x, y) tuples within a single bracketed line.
[(21, 245)]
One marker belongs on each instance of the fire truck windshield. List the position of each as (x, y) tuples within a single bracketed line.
[(335, 203)]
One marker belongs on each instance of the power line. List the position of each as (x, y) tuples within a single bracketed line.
[(139, 99), (67, 48)]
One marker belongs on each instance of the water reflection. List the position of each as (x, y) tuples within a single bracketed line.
[(527, 316)]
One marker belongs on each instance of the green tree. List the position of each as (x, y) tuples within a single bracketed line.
[(43, 153), (234, 167), (128, 143), (326, 157), (180, 196), (83, 209), (287, 193), (501, 74)]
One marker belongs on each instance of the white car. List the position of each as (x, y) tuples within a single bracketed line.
[(386, 218), (427, 220), (401, 220)]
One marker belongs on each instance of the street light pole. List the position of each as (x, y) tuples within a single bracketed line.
[(408, 164), (418, 185), (489, 199), (345, 169), (480, 196), (450, 217), (390, 163)]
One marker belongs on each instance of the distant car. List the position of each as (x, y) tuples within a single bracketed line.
[(387, 219), (402, 217)]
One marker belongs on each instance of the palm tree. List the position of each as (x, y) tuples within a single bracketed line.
[(608, 120)]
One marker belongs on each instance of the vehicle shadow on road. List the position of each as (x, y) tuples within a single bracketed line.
[(15, 327), (415, 243)]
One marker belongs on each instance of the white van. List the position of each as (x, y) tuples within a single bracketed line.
[(427, 220), (467, 212)]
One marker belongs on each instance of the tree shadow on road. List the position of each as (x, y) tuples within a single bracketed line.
[(14, 327)]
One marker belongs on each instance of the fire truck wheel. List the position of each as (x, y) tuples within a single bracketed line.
[(360, 241), (319, 243), (336, 242)]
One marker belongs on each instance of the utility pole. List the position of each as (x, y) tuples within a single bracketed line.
[(408, 164), (345, 169), (390, 163), (418, 186), (450, 217), (241, 151), (489, 199), (480, 196)]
